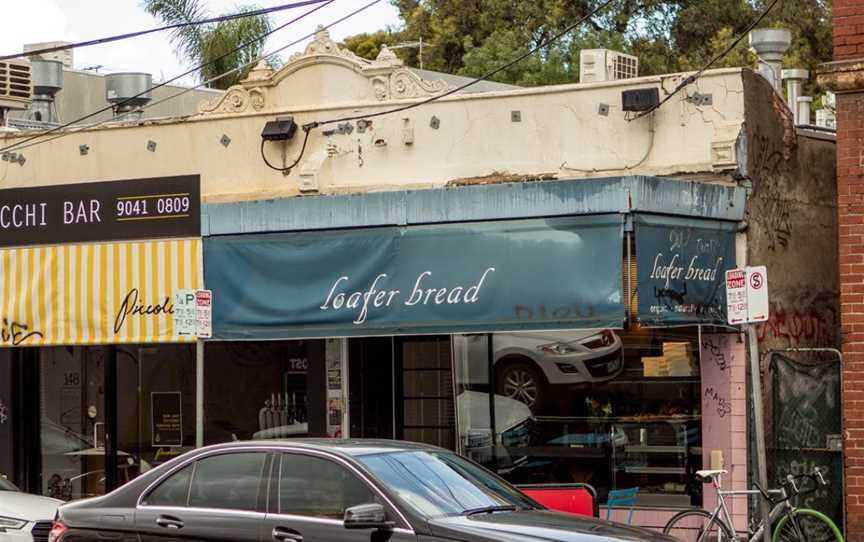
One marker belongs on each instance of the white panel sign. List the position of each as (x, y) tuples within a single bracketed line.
[(185, 314), (747, 295), (736, 296), (757, 294), (204, 316)]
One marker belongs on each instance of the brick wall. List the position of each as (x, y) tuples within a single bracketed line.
[(850, 184), (848, 29)]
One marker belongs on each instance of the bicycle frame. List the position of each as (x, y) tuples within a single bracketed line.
[(721, 512)]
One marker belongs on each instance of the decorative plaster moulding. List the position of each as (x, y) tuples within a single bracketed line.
[(387, 76)]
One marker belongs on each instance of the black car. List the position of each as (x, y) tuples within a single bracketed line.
[(325, 491)]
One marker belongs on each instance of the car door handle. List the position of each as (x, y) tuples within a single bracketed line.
[(286, 535), (169, 522)]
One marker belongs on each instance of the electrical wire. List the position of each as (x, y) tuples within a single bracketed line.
[(473, 82), (211, 80), (55, 129), (119, 37), (287, 169), (692, 78)]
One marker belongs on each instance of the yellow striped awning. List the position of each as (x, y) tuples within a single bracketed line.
[(98, 293)]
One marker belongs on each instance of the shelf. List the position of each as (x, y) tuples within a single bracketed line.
[(654, 470), (655, 449)]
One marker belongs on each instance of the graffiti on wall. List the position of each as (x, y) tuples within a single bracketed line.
[(797, 327), (771, 210)]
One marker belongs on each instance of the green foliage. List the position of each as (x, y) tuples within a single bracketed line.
[(204, 44), (471, 37), (369, 45)]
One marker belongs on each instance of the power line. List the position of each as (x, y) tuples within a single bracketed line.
[(262, 57), (119, 37), (308, 127), (473, 82), (692, 78), (211, 80), (164, 83)]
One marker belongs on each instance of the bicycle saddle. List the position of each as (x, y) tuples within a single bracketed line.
[(706, 476)]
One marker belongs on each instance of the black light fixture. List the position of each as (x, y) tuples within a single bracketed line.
[(640, 99), (279, 129)]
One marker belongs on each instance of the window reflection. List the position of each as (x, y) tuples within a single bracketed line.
[(610, 408)]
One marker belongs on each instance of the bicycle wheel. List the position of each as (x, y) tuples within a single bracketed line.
[(813, 526), (697, 526)]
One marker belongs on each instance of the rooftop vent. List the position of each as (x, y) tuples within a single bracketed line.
[(596, 65), (15, 91), (47, 77), (770, 44), (128, 93)]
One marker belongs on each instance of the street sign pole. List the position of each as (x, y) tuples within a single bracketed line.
[(759, 422), (747, 304)]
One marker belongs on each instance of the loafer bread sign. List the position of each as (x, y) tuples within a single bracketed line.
[(378, 296)]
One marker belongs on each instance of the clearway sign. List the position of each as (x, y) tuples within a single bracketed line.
[(747, 295)]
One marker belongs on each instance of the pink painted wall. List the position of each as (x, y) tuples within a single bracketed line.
[(724, 416)]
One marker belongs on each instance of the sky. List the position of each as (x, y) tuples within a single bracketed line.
[(79, 20)]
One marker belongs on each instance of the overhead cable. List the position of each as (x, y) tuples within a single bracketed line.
[(119, 37), (692, 78), (212, 79), (55, 129), (473, 82)]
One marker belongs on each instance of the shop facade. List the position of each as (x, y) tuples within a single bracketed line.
[(554, 332), (97, 373)]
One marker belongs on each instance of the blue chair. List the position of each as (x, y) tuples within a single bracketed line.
[(622, 498)]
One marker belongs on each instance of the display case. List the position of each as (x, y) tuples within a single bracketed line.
[(659, 455)]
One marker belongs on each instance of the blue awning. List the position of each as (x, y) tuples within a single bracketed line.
[(557, 273), (681, 267)]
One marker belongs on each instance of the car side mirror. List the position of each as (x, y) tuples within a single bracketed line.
[(367, 516)]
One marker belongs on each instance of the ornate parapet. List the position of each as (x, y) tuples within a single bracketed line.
[(385, 78)]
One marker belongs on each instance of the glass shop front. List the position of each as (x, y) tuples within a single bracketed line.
[(524, 345)]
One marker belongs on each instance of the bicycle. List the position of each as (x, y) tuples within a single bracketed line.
[(792, 524)]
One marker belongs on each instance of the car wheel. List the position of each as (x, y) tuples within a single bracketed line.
[(523, 382)]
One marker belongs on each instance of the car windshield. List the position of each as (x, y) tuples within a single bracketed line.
[(6, 485), (440, 484)]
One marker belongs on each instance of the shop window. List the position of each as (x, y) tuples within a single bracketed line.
[(227, 481), (610, 408), (261, 390), (172, 492), (316, 487)]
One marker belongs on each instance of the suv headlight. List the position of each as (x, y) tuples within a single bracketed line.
[(557, 349), (11, 523)]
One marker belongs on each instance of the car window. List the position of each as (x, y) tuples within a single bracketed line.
[(173, 491), (442, 483), (318, 487), (227, 481)]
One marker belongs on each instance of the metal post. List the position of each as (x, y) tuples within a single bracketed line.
[(199, 394), (111, 416), (759, 421), (490, 358)]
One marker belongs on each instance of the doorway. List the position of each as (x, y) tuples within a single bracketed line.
[(402, 388)]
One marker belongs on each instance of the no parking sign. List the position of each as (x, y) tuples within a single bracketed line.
[(747, 295)]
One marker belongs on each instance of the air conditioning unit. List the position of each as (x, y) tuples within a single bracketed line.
[(16, 90), (597, 65)]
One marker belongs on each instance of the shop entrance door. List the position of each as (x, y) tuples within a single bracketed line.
[(402, 388)]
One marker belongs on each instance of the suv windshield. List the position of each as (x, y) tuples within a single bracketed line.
[(6, 485), (443, 484)]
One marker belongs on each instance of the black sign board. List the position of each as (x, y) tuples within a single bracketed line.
[(167, 418), (102, 211)]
